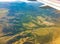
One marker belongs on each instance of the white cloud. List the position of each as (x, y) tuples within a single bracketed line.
[(23, 0), (11, 0), (6, 0)]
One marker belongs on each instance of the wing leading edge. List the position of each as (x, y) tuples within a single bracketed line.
[(50, 3)]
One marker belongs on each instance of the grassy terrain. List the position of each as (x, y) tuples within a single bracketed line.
[(36, 31), (48, 35), (32, 30)]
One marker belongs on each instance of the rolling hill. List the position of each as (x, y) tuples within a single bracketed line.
[(26, 23)]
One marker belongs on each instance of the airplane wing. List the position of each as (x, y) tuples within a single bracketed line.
[(52, 3), (44, 5)]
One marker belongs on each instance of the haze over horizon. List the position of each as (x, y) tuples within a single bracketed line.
[(11, 0)]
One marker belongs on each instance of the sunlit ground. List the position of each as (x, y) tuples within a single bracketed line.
[(36, 31)]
